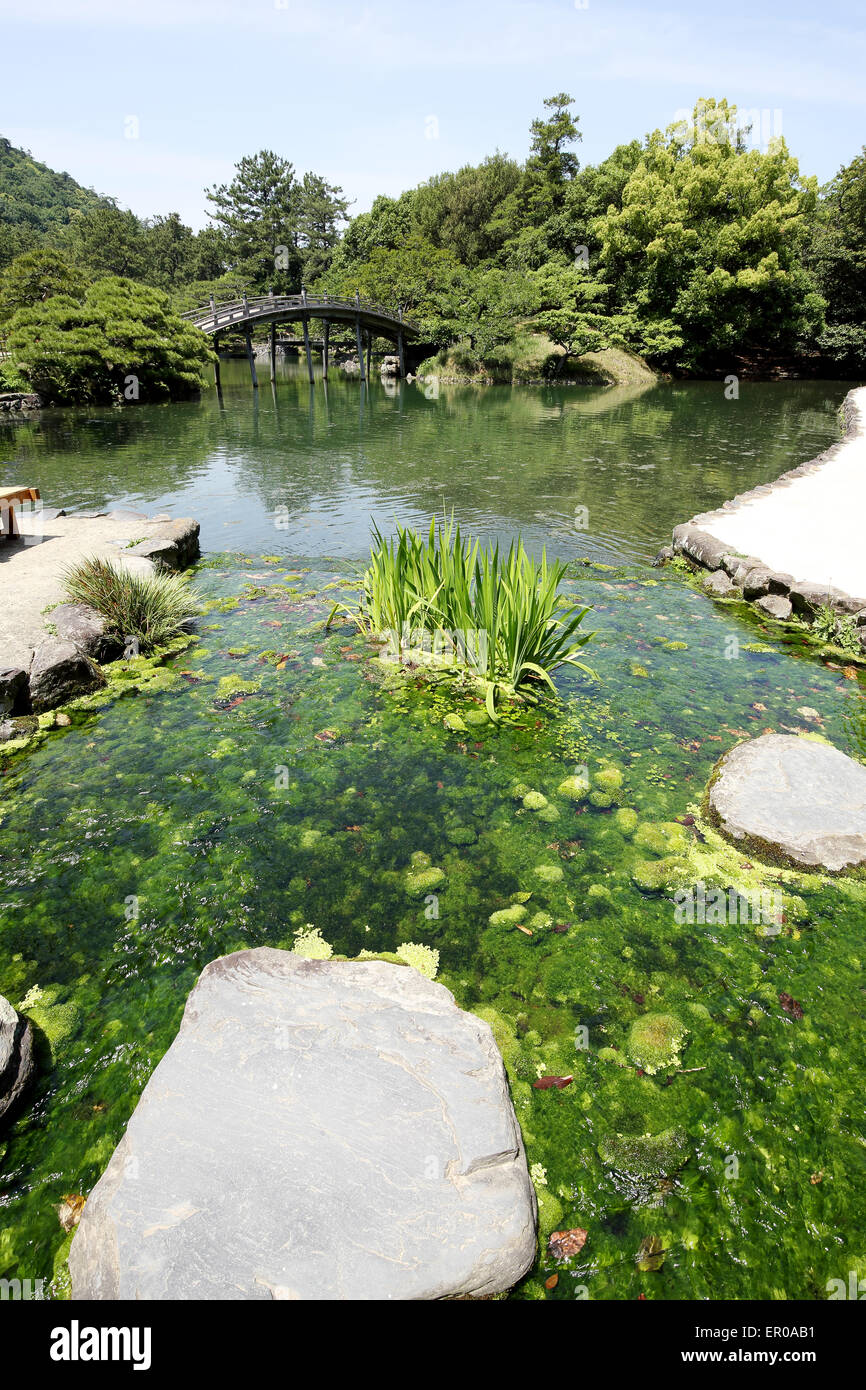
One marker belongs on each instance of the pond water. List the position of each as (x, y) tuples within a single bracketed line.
[(273, 778)]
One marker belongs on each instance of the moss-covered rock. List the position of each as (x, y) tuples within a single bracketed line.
[(662, 837), (655, 1040), (575, 787), (508, 916), (535, 801), (646, 1155), (549, 873), (661, 875), (626, 820)]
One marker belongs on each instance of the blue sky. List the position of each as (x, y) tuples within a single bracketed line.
[(378, 96)]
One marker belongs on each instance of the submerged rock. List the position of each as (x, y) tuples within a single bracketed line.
[(16, 1056), (655, 1040), (317, 1130), (575, 788), (646, 1155), (798, 799)]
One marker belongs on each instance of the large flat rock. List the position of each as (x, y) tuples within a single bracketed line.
[(317, 1130), (805, 800)]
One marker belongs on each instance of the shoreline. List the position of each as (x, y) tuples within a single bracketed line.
[(782, 545), (52, 650)]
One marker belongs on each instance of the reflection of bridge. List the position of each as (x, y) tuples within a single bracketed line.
[(368, 320)]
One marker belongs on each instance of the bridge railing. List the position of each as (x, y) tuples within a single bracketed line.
[(234, 311)]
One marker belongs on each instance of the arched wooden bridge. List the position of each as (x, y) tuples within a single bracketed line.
[(368, 319)]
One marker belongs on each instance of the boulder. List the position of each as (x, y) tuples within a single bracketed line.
[(699, 545), (807, 597), (318, 1129), (174, 546), (665, 555), (775, 606), (16, 1056), (719, 584), (803, 800), (756, 582), (13, 691), (86, 629), (60, 672)]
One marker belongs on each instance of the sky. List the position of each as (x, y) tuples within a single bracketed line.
[(151, 101)]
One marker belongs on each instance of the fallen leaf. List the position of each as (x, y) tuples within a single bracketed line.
[(790, 1005), (563, 1244), (70, 1210), (849, 672), (650, 1255), (816, 1177), (527, 931), (552, 1282), (544, 1083)]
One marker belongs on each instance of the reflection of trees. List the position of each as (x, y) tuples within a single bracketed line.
[(514, 458), (525, 458), (507, 459), (91, 457)]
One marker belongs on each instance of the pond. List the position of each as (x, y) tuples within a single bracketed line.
[(275, 779)]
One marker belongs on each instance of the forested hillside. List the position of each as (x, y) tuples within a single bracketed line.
[(694, 247)]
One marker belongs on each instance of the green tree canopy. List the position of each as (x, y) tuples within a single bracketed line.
[(839, 260), (106, 240), (708, 244), (259, 213), (117, 341), (35, 277)]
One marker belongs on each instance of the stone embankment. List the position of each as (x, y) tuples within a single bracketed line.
[(19, 403), (51, 651), (794, 546)]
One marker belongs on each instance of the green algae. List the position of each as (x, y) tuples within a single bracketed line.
[(655, 1041), (214, 850)]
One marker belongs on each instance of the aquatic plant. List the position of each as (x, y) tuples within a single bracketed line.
[(310, 944), (153, 609), (499, 617), (424, 959), (654, 1041)]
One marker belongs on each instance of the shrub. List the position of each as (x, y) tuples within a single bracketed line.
[(153, 609)]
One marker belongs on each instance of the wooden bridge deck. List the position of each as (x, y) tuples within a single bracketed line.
[(367, 319)]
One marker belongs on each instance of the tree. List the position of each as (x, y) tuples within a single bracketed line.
[(323, 210), (708, 246), (259, 213), (839, 261), (428, 284), (168, 251), (35, 277), (530, 221), (117, 341), (456, 211), (572, 311), (106, 240)]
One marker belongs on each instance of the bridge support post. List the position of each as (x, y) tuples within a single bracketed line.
[(325, 335), (216, 371), (273, 351), (252, 361), (369, 352), (401, 354), (360, 347), (307, 349)]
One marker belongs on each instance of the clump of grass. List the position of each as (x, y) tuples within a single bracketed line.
[(519, 627), (152, 609)]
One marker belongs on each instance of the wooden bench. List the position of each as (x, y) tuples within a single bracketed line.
[(8, 497)]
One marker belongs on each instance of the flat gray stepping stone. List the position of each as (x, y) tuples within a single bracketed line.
[(803, 799), (317, 1130)]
